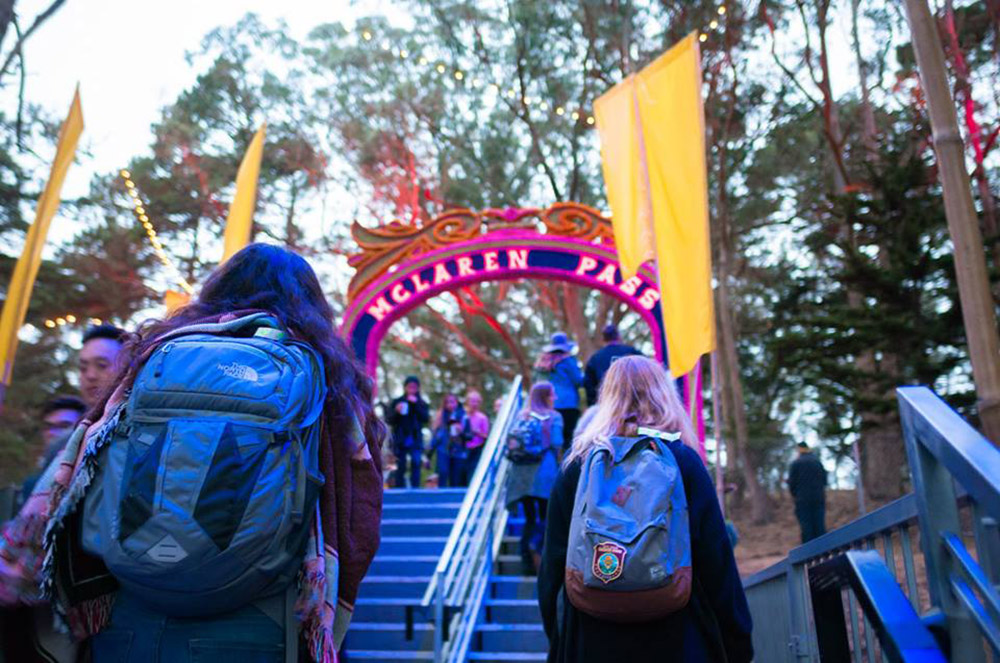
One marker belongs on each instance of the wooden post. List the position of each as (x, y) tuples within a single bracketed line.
[(963, 225)]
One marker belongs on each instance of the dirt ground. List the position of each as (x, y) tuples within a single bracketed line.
[(762, 545)]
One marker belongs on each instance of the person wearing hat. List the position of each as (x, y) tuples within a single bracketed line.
[(600, 361), (559, 365), (807, 484), (408, 415)]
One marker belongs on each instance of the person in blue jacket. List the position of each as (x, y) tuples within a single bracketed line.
[(448, 443), (559, 365), (715, 625)]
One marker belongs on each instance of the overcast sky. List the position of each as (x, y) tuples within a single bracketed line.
[(129, 60)]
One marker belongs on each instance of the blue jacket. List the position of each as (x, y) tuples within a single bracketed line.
[(566, 377)]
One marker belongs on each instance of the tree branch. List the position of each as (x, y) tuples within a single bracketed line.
[(41, 18)]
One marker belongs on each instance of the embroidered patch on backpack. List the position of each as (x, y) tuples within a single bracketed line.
[(621, 496), (609, 561)]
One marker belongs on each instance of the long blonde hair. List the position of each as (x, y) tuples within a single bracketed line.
[(636, 391)]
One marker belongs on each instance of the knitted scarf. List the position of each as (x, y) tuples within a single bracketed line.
[(341, 546)]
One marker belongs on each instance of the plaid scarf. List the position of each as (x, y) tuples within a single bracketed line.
[(341, 546)]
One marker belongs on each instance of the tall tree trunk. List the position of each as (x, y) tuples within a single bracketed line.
[(978, 307), (732, 389)]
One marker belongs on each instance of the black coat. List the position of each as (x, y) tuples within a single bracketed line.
[(807, 479), (684, 637), (407, 429), (598, 365)]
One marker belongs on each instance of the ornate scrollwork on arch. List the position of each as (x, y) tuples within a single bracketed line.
[(578, 221), (391, 244)]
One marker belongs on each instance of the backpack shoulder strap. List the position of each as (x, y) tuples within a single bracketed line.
[(259, 319)]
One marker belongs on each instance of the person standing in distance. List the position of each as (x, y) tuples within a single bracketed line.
[(408, 415), (477, 429), (559, 365), (807, 484), (600, 361)]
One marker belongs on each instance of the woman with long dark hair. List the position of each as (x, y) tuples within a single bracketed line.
[(345, 536)]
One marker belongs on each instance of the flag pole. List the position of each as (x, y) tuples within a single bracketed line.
[(22, 282)]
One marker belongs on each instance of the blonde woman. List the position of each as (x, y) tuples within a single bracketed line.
[(715, 625)]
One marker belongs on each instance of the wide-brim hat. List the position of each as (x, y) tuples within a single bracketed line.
[(560, 343)]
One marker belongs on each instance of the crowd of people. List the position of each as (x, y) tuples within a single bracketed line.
[(458, 430), (215, 489)]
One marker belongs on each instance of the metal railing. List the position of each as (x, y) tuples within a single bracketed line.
[(903, 637), (458, 585), (956, 472)]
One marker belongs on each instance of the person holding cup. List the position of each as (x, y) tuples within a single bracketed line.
[(448, 443), (408, 415)]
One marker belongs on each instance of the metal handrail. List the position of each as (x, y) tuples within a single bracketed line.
[(948, 456), (468, 553), (904, 638)]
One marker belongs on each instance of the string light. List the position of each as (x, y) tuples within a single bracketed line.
[(143, 218), (496, 88), (70, 319)]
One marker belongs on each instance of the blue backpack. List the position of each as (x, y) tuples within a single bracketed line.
[(629, 552), (206, 490), (526, 440)]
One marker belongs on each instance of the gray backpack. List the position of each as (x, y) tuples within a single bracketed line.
[(629, 553), (207, 486)]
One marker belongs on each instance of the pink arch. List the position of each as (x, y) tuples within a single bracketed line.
[(497, 256)]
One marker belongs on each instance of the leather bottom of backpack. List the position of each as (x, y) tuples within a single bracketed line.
[(629, 607)]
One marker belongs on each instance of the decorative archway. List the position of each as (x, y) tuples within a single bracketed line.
[(401, 266)]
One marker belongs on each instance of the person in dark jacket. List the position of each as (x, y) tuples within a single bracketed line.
[(807, 484), (448, 443), (600, 361), (559, 365), (408, 415), (715, 625)]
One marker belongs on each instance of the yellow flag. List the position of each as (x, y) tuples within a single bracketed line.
[(624, 163), (240, 220), (15, 307), (671, 137)]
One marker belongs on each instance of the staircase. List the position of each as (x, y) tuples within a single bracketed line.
[(510, 626), (441, 586), (415, 527)]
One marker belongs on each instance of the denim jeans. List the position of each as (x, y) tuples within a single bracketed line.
[(414, 457), (137, 634)]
